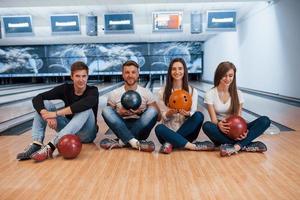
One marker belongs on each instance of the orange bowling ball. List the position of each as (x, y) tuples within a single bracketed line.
[(180, 99)]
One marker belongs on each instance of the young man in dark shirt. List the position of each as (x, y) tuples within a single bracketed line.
[(79, 116)]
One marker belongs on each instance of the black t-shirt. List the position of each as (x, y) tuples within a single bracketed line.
[(65, 92)]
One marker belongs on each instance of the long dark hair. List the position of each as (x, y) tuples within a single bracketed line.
[(169, 84), (220, 72)]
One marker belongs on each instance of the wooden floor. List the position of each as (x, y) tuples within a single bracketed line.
[(130, 174)]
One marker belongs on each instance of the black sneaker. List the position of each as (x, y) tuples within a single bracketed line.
[(110, 143), (227, 150), (204, 146), (255, 147), (147, 146), (29, 151)]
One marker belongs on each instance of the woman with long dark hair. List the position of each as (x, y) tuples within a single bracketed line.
[(179, 127), (225, 99)]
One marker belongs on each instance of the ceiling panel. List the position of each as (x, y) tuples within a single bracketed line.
[(42, 9)]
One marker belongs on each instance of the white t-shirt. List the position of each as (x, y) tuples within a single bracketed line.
[(175, 122), (222, 109), (115, 99)]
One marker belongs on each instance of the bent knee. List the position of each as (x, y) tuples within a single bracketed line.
[(152, 111), (106, 111), (265, 120), (206, 126), (198, 115), (85, 113), (150, 114), (158, 129), (49, 105)]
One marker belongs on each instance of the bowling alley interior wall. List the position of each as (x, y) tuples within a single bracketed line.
[(265, 50), (265, 46)]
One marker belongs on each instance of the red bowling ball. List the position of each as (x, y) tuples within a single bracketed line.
[(69, 146), (237, 126)]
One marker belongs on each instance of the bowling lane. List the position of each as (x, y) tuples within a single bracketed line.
[(273, 129), (285, 114), (24, 107), (26, 89), (8, 99), (18, 97), (21, 85)]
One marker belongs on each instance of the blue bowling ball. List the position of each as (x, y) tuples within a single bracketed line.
[(131, 100)]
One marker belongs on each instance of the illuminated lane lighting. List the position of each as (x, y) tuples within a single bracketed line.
[(18, 25), (111, 22), (73, 23), (222, 20)]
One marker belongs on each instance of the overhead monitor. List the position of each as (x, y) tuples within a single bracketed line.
[(167, 21), (65, 24), (20, 25), (118, 23), (221, 20)]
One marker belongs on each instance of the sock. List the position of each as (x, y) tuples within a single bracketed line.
[(52, 146), (133, 142), (190, 146), (37, 143)]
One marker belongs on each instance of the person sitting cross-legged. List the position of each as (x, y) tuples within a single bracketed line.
[(132, 127), (180, 127), (223, 100), (79, 116)]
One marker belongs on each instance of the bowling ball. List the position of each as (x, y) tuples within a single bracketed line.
[(237, 126), (180, 99), (69, 146), (131, 100)]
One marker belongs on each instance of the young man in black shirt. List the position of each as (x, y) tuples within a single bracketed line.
[(79, 116)]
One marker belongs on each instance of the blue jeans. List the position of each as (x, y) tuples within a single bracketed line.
[(82, 124), (188, 131), (127, 129), (255, 128)]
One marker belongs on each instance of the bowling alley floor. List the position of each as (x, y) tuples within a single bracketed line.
[(130, 174)]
